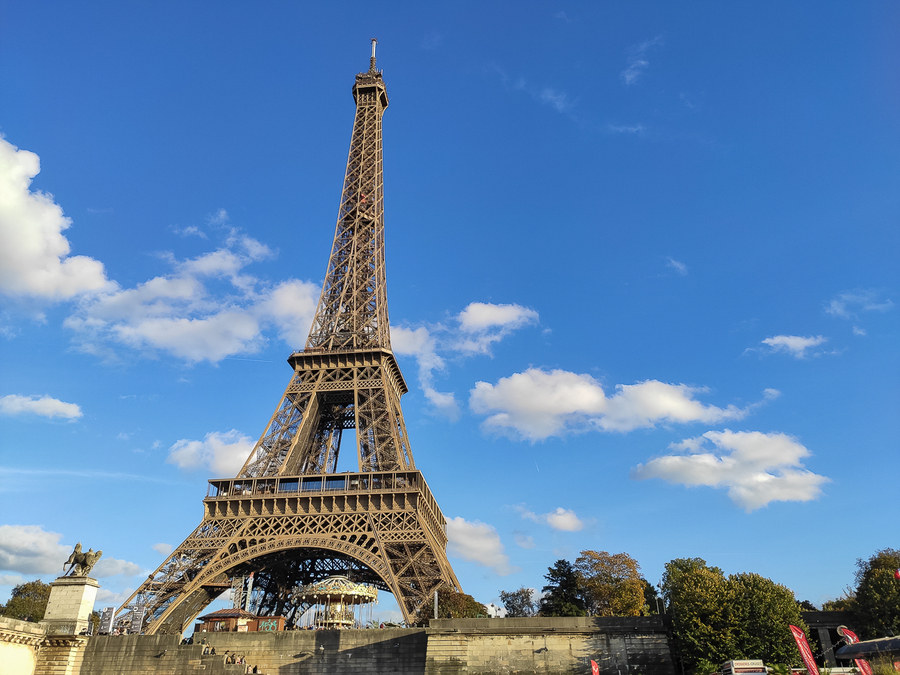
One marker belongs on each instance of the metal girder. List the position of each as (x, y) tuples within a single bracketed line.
[(282, 517)]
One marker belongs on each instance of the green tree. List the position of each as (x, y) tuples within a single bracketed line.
[(520, 602), (451, 605), (845, 603), (807, 606), (28, 601), (652, 601), (743, 616), (699, 600), (612, 583), (760, 616), (878, 594), (563, 593)]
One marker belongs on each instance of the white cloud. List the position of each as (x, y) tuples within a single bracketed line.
[(794, 345), (859, 331), (483, 323), (108, 598), (110, 567), (480, 316), (222, 453), (480, 325), (537, 404), (420, 344), (180, 313), (845, 305), (45, 406), (557, 99), (34, 254), (637, 61), (679, 267), (756, 468), (626, 128), (479, 543), (11, 579), (190, 230), (163, 549), (31, 550), (560, 519), (524, 540)]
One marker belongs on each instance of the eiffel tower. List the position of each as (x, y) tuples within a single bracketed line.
[(288, 517)]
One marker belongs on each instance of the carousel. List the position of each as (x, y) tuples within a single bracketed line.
[(336, 602)]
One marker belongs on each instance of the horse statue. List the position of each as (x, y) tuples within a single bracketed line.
[(80, 564)]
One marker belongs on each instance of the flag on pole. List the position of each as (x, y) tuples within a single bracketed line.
[(805, 651), (851, 638)]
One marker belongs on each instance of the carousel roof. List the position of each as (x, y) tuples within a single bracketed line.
[(334, 588)]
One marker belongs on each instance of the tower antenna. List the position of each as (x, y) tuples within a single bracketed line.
[(372, 60)]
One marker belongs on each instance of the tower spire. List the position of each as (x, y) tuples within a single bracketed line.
[(372, 59)]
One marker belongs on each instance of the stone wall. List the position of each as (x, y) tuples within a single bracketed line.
[(621, 646), (19, 643), (400, 651)]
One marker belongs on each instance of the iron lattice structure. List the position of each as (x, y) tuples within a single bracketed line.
[(287, 516)]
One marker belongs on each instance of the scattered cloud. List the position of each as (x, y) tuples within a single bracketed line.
[(756, 468), (472, 331), (181, 314), (562, 16), (163, 549), (190, 231), (560, 519), (557, 99), (11, 579), (205, 309), (537, 404), (30, 549), (432, 40), (34, 253), (679, 267), (848, 304), (420, 344), (110, 567), (794, 345), (551, 96), (108, 598), (524, 540), (626, 128), (479, 543), (219, 218), (687, 101), (859, 331), (44, 406), (485, 323), (222, 453), (637, 60)]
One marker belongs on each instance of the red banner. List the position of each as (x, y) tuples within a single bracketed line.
[(595, 669), (851, 638), (805, 651)]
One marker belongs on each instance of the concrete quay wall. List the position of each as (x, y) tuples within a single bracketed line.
[(564, 646), (330, 652), (620, 646)]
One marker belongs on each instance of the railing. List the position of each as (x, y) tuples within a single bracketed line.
[(283, 486)]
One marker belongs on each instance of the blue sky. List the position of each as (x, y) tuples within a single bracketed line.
[(642, 270)]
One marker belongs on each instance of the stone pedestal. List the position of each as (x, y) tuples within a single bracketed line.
[(70, 605)]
